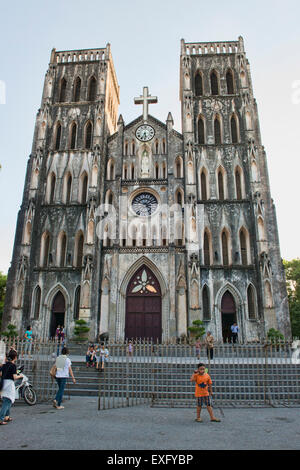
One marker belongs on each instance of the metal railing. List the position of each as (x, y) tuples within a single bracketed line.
[(37, 358), (159, 375)]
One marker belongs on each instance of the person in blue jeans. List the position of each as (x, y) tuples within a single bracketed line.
[(63, 369), (28, 341), (8, 392)]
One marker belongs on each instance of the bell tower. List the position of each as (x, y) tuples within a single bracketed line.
[(226, 173)]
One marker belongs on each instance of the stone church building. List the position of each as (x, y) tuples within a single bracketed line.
[(139, 229)]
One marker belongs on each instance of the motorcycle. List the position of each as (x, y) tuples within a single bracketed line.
[(24, 389)]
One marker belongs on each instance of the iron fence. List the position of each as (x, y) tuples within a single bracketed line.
[(159, 375), (37, 359)]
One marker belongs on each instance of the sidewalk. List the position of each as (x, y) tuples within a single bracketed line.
[(80, 426)]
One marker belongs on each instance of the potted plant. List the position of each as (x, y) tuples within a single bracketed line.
[(81, 331), (197, 330)]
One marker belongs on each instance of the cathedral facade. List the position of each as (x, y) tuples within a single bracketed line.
[(139, 229)]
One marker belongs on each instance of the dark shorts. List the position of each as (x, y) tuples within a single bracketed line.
[(203, 401)]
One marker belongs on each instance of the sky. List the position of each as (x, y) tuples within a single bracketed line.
[(145, 45)]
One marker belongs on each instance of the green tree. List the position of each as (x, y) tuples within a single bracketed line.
[(81, 330), (292, 272), (197, 329), (3, 279)]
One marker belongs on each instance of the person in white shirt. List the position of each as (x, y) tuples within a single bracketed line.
[(63, 369), (103, 356)]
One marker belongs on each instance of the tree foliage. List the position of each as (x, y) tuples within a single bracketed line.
[(292, 272)]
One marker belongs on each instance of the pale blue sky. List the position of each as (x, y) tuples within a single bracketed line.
[(145, 44)]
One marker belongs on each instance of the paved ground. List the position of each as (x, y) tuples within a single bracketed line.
[(81, 426)]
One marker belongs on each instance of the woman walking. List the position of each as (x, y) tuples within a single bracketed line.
[(63, 369), (8, 392)]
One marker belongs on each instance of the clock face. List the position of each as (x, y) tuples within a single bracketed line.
[(145, 133), (144, 204)]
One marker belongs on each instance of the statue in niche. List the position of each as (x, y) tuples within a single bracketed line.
[(145, 164)]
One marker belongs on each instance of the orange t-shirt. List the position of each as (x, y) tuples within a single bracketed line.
[(202, 383)]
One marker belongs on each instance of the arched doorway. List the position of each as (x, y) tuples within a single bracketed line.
[(143, 306), (228, 312), (57, 313)]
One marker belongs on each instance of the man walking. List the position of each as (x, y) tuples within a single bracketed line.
[(234, 332)]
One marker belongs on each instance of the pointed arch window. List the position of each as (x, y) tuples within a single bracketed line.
[(68, 188), (79, 250), (83, 188), (77, 88), (45, 246), (205, 303), (61, 249), (225, 251), (88, 135), (37, 303), (243, 244), (234, 130), (178, 198), (238, 184), (201, 131), (73, 133), (229, 82), (63, 90), (77, 302), (251, 303), (57, 136), (206, 249), (221, 185), (92, 89), (198, 84), (217, 130), (156, 171), (214, 83), (203, 186), (52, 188)]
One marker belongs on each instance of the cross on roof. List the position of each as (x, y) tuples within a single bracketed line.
[(145, 100)]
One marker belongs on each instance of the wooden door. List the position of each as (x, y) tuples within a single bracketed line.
[(143, 306)]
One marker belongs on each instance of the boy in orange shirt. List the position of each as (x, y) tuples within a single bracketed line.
[(203, 391)]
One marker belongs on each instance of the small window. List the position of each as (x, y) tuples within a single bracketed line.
[(238, 184), (214, 83), (221, 185), (92, 90), (206, 250), (251, 303), (203, 186), (201, 134), (37, 302), (205, 303), (58, 137), (88, 135), (77, 88), (243, 244), (234, 131), (52, 188), (198, 85), (217, 131), (63, 90), (225, 253), (229, 82), (73, 136)]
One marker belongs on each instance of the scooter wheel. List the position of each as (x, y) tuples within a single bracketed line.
[(30, 396)]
